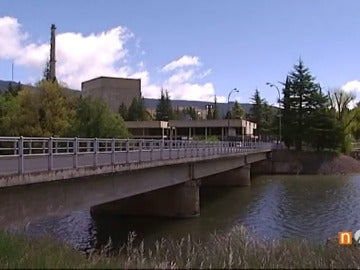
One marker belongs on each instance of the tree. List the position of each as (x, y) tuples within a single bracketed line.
[(301, 88), (216, 110), (10, 113), (190, 113), (209, 112), (21, 117), (177, 114), (237, 112), (322, 129), (263, 115), (94, 119), (123, 111), (55, 111), (288, 115), (307, 115), (347, 119), (164, 110), (46, 72), (137, 111)]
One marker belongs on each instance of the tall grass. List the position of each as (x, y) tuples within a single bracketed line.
[(235, 249)]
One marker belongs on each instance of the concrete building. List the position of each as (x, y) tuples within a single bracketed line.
[(222, 129), (113, 91), (148, 129)]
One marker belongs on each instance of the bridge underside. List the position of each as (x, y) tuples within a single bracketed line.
[(169, 190)]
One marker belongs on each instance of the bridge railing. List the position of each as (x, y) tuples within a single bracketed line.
[(36, 154)]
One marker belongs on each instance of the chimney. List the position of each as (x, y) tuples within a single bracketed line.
[(52, 53)]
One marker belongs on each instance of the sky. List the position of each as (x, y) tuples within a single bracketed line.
[(193, 49)]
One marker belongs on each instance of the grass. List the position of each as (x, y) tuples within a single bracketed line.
[(235, 249)]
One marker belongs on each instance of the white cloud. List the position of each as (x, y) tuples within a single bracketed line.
[(10, 37), (183, 61), (182, 82), (352, 86), (83, 57)]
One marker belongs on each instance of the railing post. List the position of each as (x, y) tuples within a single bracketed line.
[(179, 147), (161, 149), (140, 149), (191, 149), (95, 151), (197, 149), (170, 148), (75, 152), (15, 147), (21, 155), (151, 150), (127, 151), (113, 151), (50, 154)]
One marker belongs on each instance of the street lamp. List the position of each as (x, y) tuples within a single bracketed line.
[(228, 112), (273, 85)]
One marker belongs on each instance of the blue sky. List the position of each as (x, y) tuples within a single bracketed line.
[(195, 49)]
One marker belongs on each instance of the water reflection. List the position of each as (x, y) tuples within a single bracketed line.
[(312, 207)]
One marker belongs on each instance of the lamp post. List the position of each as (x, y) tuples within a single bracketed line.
[(228, 112), (277, 88)]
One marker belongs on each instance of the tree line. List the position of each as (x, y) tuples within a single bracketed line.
[(47, 110), (310, 116)]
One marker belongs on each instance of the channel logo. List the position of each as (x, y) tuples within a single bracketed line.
[(347, 238)]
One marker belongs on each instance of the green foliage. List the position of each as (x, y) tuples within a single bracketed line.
[(263, 115), (190, 113), (164, 110), (137, 111), (55, 111), (94, 119), (209, 112), (307, 117), (177, 114), (216, 110), (237, 112), (235, 249), (49, 111), (123, 111), (13, 90)]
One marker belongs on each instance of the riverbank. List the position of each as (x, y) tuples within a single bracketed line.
[(235, 249), (307, 162)]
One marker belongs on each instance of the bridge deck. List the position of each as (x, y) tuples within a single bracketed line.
[(20, 156)]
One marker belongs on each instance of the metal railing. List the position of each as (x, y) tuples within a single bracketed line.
[(20, 155)]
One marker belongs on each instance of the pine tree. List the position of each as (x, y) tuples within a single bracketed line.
[(237, 112), (209, 113), (263, 115), (137, 111), (216, 110), (123, 111), (164, 110), (307, 117)]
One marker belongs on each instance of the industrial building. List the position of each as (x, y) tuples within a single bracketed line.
[(114, 91)]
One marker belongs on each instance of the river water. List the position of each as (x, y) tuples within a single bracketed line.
[(275, 206)]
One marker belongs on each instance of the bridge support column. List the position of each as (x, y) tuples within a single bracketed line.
[(236, 177), (182, 200)]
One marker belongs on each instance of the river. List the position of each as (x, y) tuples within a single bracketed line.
[(275, 206)]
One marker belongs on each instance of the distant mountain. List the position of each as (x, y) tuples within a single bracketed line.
[(4, 85)]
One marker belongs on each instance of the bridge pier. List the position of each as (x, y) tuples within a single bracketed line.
[(235, 177), (182, 200)]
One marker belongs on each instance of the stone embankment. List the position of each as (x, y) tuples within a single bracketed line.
[(307, 162)]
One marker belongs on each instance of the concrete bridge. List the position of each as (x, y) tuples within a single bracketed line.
[(52, 176)]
